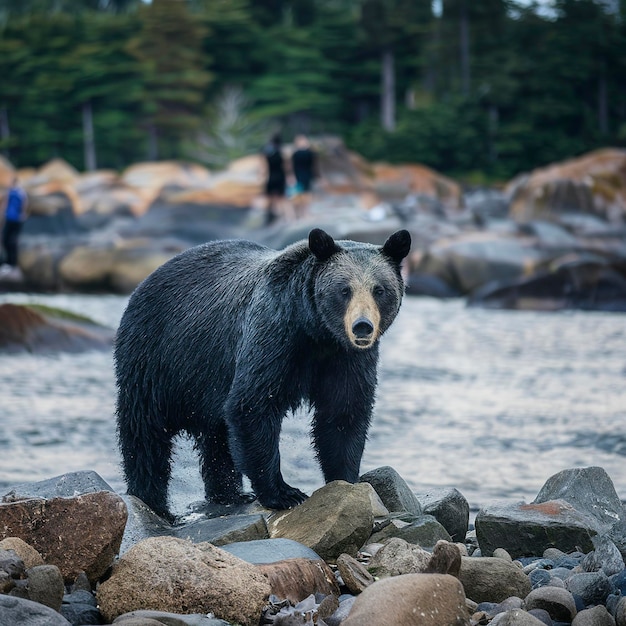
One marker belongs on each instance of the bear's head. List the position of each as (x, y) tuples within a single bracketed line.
[(358, 286)]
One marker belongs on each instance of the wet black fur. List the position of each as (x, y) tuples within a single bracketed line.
[(222, 340)]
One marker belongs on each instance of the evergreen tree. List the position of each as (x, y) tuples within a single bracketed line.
[(169, 47)]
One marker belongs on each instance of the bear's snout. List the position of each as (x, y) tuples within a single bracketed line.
[(362, 328)]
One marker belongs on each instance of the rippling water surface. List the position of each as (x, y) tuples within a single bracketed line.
[(490, 402)]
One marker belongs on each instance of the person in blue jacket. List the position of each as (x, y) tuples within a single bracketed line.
[(15, 212)]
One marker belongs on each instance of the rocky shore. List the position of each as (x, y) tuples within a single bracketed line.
[(550, 239), (74, 552)]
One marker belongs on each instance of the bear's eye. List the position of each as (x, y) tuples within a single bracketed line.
[(345, 291), (379, 290)]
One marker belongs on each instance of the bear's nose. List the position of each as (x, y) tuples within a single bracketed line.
[(362, 328)]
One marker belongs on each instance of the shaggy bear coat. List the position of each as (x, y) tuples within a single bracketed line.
[(224, 339)]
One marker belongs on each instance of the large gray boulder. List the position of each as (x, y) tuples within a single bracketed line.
[(529, 529)]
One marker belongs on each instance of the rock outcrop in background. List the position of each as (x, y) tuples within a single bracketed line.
[(554, 238)]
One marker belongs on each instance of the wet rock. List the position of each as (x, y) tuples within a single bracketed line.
[(559, 603), (80, 607), (620, 612), (29, 328), (354, 575), (411, 599), (446, 559), (297, 579), (45, 585), (517, 617), (594, 616), (342, 611), (488, 579), (20, 611), (62, 486), (336, 518), (395, 494), (591, 587), (605, 557), (270, 550), (169, 574), (76, 547), (589, 490), (27, 554), (424, 531), (398, 557), (145, 618), (450, 508), (224, 530), (528, 529)]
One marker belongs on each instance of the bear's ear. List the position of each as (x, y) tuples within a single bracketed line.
[(397, 246), (322, 245)]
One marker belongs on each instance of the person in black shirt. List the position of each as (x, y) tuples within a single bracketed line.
[(303, 168), (276, 179)]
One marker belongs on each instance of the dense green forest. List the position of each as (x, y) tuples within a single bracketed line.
[(478, 89)]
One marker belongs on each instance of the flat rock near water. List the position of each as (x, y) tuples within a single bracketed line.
[(552, 239), (39, 329)]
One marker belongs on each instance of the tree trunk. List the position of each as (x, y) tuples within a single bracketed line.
[(465, 51), (5, 132), (388, 92), (153, 143), (89, 144), (603, 104)]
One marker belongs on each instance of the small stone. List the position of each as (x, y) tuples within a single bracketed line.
[(559, 603), (515, 617), (486, 579), (450, 508), (15, 611), (595, 616), (501, 553), (26, 552), (591, 587), (355, 577), (395, 494), (605, 557), (446, 559), (399, 557), (45, 585), (297, 579)]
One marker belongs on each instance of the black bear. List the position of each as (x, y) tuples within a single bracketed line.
[(223, 339)]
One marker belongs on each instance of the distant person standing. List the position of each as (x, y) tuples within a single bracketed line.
[(15, 205), (303, 167), (276, 182)]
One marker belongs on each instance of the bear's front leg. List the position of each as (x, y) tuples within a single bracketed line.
[(343, 401), (254, 434)]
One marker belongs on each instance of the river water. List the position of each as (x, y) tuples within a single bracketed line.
[(490, 402)]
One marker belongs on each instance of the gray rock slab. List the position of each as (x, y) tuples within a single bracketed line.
[(589, 490), (270, 550), (224, 530), (63, 486), (392, 490), (20, 611), (450, 508), (529, 529)]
